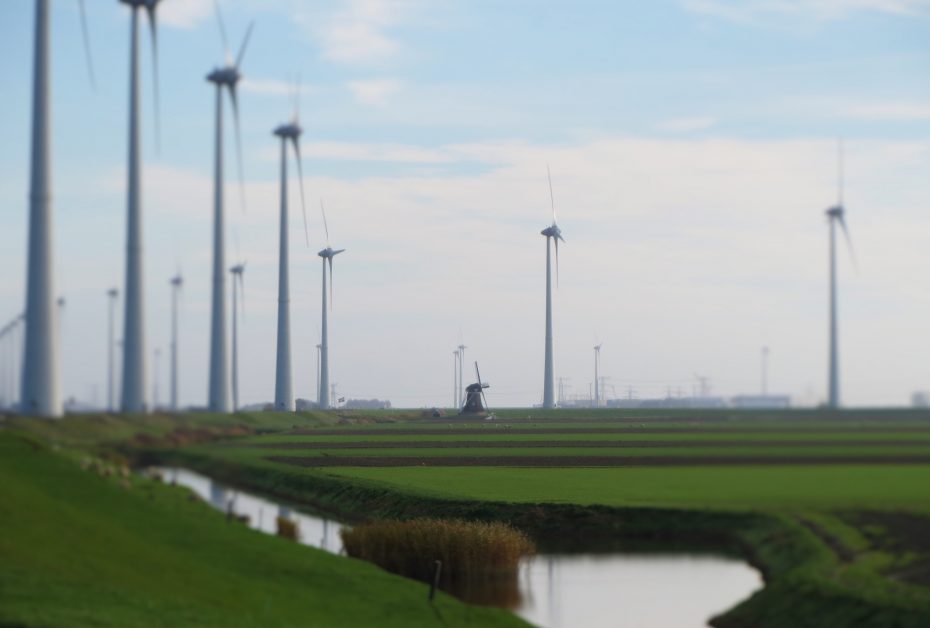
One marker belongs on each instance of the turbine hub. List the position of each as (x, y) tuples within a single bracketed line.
[(291, 130), (552, 231), (228, 76), (835, 212)]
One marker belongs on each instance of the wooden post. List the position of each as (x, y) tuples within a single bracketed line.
[(435, 583)]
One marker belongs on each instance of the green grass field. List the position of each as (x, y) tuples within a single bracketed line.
[(78, 549), (833, 507)]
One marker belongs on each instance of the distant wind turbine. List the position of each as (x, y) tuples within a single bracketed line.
[(597, 363), (284, 380), (238, 292), (40, 394), (134, 383), (553, 232), (327, 254), (227, 77), (176, 282), (836, 215)]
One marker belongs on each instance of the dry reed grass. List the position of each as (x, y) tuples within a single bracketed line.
[(469, 550), (287, 528)]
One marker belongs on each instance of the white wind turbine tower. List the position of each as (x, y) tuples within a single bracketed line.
[(176, 282), (284, 380), (327, 254), (597, 364), (226, 77), (40, 393), (112, 295), (553, 232), (238, 292), (836, 214), (134, 383)]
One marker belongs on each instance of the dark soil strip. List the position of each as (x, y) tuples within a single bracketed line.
[(629, 444), (585, 461), (503, 429)]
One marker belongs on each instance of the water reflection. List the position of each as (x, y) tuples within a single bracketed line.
[(553, 591)]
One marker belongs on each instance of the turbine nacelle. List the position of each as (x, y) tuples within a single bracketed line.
[(290, 131), (553, 231), (141, 4), (836, 212), (228, 76), (177, 281), (329, 253)]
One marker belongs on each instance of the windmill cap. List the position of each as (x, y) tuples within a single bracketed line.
[(289, 130), (228, 75)]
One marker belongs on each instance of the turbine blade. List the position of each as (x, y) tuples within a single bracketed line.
[(235, 107), (153, 31), (839, 168), (556, 262), (222, 25), (300, 179), (330, 283), (849, 244), (87, 53), (551, 196), (297, 99), (245, 44), (242, 289), (325, 226)]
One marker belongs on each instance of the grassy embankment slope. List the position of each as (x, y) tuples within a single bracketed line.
[(77, 548), (837, 517)]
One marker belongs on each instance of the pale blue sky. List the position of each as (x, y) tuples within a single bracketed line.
[(692, 150)]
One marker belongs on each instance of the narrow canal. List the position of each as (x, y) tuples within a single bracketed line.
[(614, 590)]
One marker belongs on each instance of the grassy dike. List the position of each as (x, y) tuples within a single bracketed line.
[(807, 582), (81, 549)]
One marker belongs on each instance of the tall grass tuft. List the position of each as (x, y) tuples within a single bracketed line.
[(471, 552)]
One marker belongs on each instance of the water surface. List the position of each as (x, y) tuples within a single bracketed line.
[(555, 591)]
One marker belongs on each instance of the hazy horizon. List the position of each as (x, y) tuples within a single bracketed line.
[(692, 146)]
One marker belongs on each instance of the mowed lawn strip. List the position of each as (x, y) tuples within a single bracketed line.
[(747, 488), (77, 549)]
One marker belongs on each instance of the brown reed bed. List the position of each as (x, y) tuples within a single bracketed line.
[(287, 528), (470, 551)]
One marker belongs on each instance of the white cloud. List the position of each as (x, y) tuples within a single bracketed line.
[(682, 125), (184, 13), (361, 31), (759, 10), (892, 111), (374, 91)]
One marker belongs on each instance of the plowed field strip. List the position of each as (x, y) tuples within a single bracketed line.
[(512, 444), (485, 429), (586, 461)]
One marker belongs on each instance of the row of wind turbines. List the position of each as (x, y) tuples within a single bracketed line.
[(40, 390), (40, 387)]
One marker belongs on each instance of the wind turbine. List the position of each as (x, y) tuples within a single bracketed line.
[(455, 378), (597, 363), (461, 349), (226, 77), (553, 232), (836, 215), (112, 294), (238, 287), (40, 393), (284, 380), (134, 382), (327, 254), (176, 282)]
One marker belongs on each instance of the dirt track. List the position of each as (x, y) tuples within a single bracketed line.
[(594, 444), (586, 461), (502, 429)]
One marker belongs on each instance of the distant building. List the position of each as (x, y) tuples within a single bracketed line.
[(367, 404), (761, 401)]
